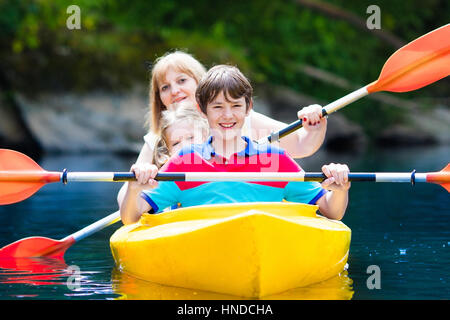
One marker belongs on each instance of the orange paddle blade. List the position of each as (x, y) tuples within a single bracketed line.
[(442, 177), (36, 247), (417, 64), (21, 177)]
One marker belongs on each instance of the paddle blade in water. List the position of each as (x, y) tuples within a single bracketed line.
[(21, 177), (36, 247), (417, 64), (442, 177)]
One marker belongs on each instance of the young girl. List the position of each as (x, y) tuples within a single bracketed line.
[(175, 77), (178, 127), (184, 125)]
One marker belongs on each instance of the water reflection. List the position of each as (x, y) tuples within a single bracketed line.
[(34, 271), (131, 288), (52, 278)]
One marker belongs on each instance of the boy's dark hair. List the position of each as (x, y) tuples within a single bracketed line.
[(223, 78)]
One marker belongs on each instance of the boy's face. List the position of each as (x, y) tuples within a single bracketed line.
[(226, 117)]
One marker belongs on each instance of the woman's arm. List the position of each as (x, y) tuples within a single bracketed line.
[(300, 144)]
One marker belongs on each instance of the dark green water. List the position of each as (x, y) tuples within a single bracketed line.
[(403, 230)]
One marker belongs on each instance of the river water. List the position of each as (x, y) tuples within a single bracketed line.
[(400, 245)]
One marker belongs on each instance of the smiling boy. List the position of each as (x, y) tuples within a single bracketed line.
[(224, 96)]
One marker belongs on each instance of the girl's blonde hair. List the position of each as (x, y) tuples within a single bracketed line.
[(179, 61), (183, 113)]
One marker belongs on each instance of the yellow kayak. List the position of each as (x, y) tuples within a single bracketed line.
[(244, 249)]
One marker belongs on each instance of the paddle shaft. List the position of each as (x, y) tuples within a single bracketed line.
[(94, 227), (246, 176), (328, 109), (42, 176)]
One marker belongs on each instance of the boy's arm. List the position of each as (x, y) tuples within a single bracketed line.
[(156, 197), (333, 204), (133, 205), (145, 156)]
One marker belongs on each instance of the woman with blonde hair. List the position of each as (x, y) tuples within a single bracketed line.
[(175, 77)]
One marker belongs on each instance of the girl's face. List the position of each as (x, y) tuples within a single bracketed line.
[(226, 117), (181, 134), (176, 87)]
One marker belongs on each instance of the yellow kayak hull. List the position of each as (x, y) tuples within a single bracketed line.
[(249, 250)]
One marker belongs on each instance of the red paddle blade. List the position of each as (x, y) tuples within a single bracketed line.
[(442, 177), (36, 247), (21, 177), (417, 64)]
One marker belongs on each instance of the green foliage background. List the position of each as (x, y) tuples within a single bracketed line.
[(267, 39)]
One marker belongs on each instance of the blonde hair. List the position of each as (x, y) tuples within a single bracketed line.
[(185, 112), (180, 61)]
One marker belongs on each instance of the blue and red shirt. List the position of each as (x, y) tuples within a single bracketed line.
[(254, 158)]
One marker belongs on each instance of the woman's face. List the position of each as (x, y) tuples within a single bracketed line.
[(176, 87)]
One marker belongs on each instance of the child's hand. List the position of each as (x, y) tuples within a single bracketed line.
[(337, 177), (145, 174), (311, 117)]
